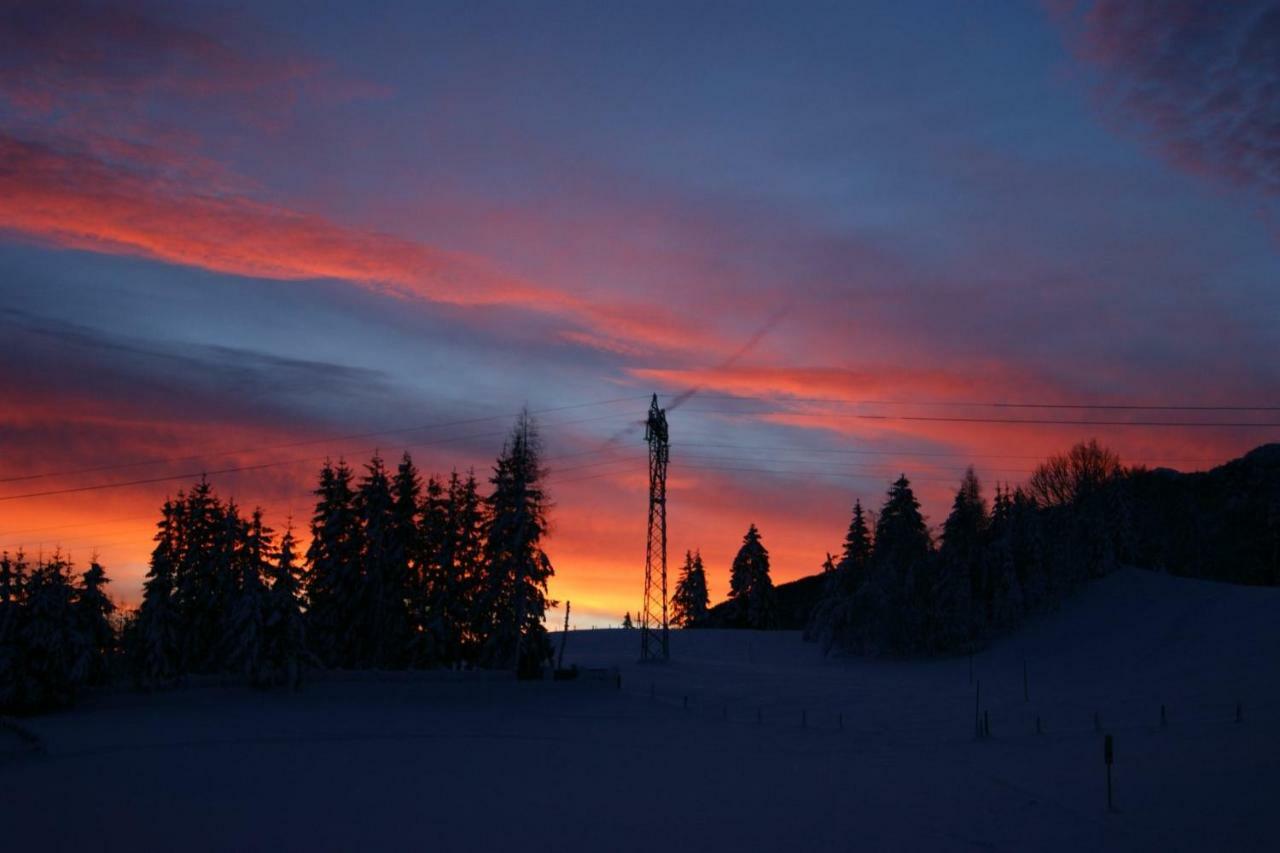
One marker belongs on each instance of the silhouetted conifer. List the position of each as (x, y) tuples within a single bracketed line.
[(93, 615), (53, 653), (156, 630), (468, 521), (690, 602), (335, 585), (13, 585), (246, 639), (409, 558), (382, 556), (750, 588), (833, 622), (285, 647), (516, 569), (900, 582)]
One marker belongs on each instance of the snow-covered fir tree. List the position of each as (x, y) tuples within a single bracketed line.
[(202, 591), (155, 632), (13, 585), (469, 521), (54, 654), (383, 560), (896, 594), (410, 557), (833, 622), (246, 636), (751, 596), (689, 602), (955, 616), (285, 648), (93, 615), (435, 639), (516, 569), (453, 526), (334, 580)]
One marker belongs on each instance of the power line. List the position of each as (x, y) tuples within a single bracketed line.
[(1029, 421), (926, 453), (190, 475), (810, 473), (886, 466), (1137, 407), (553, 476), (309, 442)]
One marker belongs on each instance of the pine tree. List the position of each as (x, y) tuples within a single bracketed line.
[(409, 555), (334, 582), (516, 569), (961, 583), (93, 615), (246, 640), (156, 630), (383, 560), (202, 592), (857, 542), (437, 641), (54, 653), (689, 604), (901, 575), (452, 528), (751, 594), (468, 522), (285, 632), (13, 585), (833, 622)]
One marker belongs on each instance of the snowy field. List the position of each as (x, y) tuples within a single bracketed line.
[(775, 748)]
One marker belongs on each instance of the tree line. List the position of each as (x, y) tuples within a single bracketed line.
[(399, 574), (898, 589)]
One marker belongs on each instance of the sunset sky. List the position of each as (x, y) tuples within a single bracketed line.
[(253, 235)]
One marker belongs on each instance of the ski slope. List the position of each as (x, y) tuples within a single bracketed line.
[(746, 740)]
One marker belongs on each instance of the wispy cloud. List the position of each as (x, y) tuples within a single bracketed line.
[(1204, 76)]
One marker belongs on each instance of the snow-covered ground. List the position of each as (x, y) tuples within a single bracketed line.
[(776, 748)]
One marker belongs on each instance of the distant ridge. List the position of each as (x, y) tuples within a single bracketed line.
[(1222, 524)]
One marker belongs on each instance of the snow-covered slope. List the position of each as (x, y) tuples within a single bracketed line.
[(774, 747)]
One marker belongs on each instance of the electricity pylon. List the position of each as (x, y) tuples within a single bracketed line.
[(653, 622)]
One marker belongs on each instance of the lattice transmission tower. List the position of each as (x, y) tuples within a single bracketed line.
[(653, 622)]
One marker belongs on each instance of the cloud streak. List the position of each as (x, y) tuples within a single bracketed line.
[(1203, 76)]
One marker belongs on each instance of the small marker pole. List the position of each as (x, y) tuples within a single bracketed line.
[(977, 718), (1164, 718), (1108, 755), (686, 703)]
